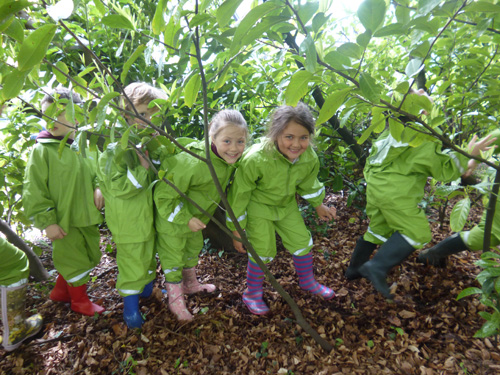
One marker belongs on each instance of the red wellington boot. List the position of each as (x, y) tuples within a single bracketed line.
[(60, 292), (80, 302)]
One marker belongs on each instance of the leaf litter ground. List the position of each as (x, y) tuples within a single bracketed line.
[(424, 331)]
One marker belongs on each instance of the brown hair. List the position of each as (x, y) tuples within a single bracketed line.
[(224, 118), (61, 93), (140, 93), (283, 115)]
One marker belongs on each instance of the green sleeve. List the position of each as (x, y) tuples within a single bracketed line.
[(37, 201), (444, 166), (240, 192), (121, 178), (182, 172), (310, 188)]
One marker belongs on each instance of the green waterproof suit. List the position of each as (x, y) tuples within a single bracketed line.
[(14, 269), (125, 184), (60, 190), (396, 174), (262, 197), (178, 247)]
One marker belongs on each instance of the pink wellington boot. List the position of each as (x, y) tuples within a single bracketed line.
[(176, 302), (191, 285)]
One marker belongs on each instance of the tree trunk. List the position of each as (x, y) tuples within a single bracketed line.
[(36, 267), (490, 213)]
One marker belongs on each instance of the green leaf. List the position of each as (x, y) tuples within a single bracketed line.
[(402, 14), (364, 39), (117, 21), (371, 13), (396, 129), (13, 84), (426, 6), (246, 24), (350, 50), (459, 214), (307, 46), (15, 30), (403, 87), (158, 25), (469, 292), (35, 46), (491, 327), (332, 103), (414, 67), (483, 7), (338, 60), (307, 10), (9, 8), (126, 67), (101, 108), (191, 90), (124, 138), (318, 21), (377, 125), (297, 87), (226, 11), (63, 144), (369, 87), (61, 78), (392, 29), (199, 19)]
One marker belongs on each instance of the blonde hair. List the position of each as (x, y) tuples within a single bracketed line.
[(224, 118), (140, 93)]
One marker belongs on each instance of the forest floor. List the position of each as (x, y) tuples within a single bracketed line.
[(424, 331)]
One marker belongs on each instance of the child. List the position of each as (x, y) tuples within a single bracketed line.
[(178, 222), (263, 199), (396, 174), (61, 197), (125, 178), (467, 240), (14, 272)]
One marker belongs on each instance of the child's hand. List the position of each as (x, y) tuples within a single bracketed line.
[(475, 148), (55, 232), (143, 161), (196, 224), (237, 244), (326, 213), (98, 199)]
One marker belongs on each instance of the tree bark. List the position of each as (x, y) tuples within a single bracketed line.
[(36, 267), (490, 213)]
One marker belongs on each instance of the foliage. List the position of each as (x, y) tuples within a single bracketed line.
[(355, 76), (489, 293)]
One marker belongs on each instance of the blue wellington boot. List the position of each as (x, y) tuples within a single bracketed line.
[(147, 291), (131, 313)]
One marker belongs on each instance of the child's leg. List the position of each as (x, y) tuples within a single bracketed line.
[(411, 232), (261, 235), (74, 258), (170, 250), (298, 241), (134, 263), (190, 283)]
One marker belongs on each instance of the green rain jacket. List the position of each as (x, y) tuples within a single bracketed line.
[(60, 190), (192, 177), (125, 184), (265, 183), (396, 173)]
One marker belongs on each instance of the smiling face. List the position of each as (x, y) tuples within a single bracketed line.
[(230, 142), (293, 141)]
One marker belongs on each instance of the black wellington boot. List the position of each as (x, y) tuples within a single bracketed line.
[(390, 254), (360, 256), (436, 255)]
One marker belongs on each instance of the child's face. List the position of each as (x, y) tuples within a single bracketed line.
[(144, 111), (293, 141), (230, 143), (62, 126)]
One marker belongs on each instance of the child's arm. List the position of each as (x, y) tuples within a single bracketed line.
[(237, 244), (475, 149)]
